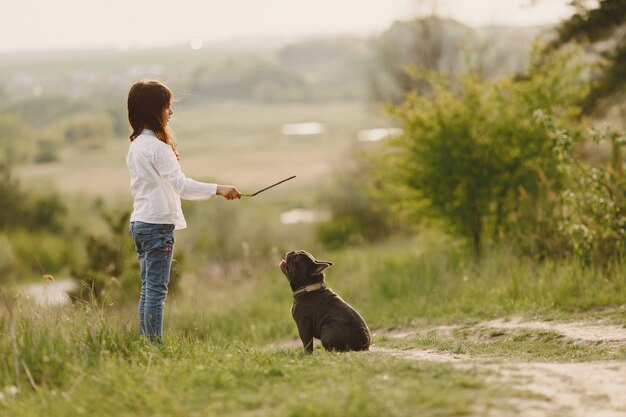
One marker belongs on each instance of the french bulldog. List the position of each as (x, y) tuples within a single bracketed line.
[(318, 311)]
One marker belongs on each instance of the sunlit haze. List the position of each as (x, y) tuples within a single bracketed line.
[(124, 24)]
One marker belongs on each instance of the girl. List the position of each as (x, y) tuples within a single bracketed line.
[(157, 185)]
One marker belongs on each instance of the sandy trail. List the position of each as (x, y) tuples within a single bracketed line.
[(595, 389), (588, 331), (585, 389), (588, 389), (429, 355)]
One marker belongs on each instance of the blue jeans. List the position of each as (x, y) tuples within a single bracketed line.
[(154, 244)]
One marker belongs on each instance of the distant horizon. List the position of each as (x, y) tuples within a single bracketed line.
[(219, 43), (269, 39), (286, 20)]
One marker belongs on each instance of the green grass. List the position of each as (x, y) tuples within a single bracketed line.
[(217, 358), (434, 280), (75, 361), (194, 378), (402, 283)]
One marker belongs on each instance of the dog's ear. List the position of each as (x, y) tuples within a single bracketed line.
[(319, 267)]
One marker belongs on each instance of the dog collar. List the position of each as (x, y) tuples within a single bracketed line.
[(309, 288)]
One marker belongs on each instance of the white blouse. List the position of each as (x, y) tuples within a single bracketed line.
[(158, 183)]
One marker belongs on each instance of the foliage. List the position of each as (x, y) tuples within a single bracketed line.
[(242, 79), (593, 217), (41, 252), (305, 71), (32, 130), (474, 158), (19, 210), (34, 226), (14, 138), (602, 27), (332, 68), (38, 112), (47, 151), (12, 198), (88, 128), (444, 46), (7, 259), (358, 216), (425, 43), (111, 269)]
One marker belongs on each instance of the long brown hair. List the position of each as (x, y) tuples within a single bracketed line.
[(146, 102)]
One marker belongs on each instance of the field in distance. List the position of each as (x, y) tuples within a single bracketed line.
[(249, 145)]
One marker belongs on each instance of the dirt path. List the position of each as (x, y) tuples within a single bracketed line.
[(586, 389), (548, 389), (595, 389), (591, 389), (589, 331)]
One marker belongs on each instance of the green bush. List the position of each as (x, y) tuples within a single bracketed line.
[(471, 154), (110, 270), (47, 151), (357, 216), (19, 210), (43, 252), (593, 206), (15, 137), (111, 262), (7, 259), (88, 128)]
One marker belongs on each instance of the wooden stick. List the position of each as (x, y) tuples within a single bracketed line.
[(267, 188)]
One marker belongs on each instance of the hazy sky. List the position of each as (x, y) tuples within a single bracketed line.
[(62, 24)]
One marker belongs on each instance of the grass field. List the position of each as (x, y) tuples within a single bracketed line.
[(225, 351), (240, 144), (231, 346)]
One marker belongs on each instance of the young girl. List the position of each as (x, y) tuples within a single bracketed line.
[(157, 184)]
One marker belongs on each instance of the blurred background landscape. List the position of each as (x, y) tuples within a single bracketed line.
[(247, 112), (454, 160)]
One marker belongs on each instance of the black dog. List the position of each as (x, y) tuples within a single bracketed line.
[(318, 311)]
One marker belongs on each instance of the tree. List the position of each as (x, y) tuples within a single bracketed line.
[(418, 43), (602, 29), (445, 46), (357, 215), (472, 158)]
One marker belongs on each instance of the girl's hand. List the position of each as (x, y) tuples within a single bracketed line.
[(228, 192)]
